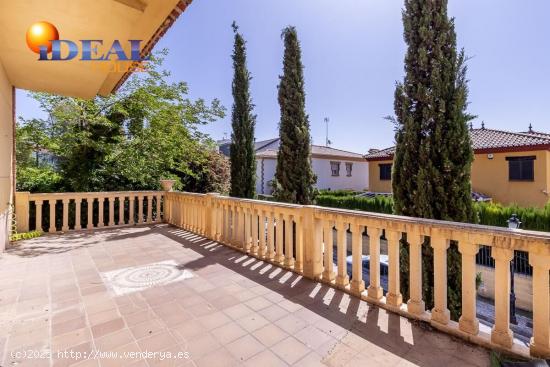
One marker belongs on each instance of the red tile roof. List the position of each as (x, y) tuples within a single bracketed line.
[(487, 141)]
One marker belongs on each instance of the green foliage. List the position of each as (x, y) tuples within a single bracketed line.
[(431, 177), (536, 219), (25, 236), (338, 192), (242, 152), (294, 177), (38, 179), (378, 204), (126, 141)]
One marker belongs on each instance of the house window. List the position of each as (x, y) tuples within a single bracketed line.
[(521, 168), (335, 168), (385, 172), (349, 167)]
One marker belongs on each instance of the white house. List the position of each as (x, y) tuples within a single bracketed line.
[(335, 169)]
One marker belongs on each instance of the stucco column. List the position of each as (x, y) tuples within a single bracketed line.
[(247, 228), (261, 234), (440, 312), (22, 211), (7, 123), (415, 304), (375, 291), (468, 321), (540, 342), (255, 247), (393, 297), (342, 280), (121, 210), (357, 285), (328, 273), (501, 333), (132, 205), (111, 200)]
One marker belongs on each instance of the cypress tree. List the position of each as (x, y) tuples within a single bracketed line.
[(242, 154), (431, 176), (294, 177)]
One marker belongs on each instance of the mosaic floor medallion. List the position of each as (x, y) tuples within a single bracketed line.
[(138, 278)]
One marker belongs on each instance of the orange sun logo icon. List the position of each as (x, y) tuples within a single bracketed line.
[(41, 34)]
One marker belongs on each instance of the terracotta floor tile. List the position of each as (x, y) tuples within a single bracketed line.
[(220, 357), (114, 340), (245, 347), (214, 320), (67, 326), (270, 335), (290, 350), (202, 345), (228, 333), (147, 328), (252, 322), (265, 359), (157, 342), (64, 341), (107, 327)]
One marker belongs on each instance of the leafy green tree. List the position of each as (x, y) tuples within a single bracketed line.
[(242, 153), (129, 140), (294, 177), (431, 176)]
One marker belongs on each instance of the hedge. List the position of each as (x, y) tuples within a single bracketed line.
[(536, 219)]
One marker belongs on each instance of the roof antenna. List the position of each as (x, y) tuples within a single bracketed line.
[(327, 141), (482, 125), (471, 126), (531, 128)]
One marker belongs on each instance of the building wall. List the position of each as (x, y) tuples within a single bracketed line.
[(265, 172), (490, 177), (6, 154), (375, 184)]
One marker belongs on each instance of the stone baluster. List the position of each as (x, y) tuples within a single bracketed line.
[(158, 199), (111, 201), (78, 215), (261, 233), (468, 321), (540, 342), (357, 285), (247, 229), (65, 215), (140, 209), (121, 200), (328, 242), (393, 297), (101, 221), (279, 240), (440, 312), (501, 333), (38, 204), (255, 232), (270, 236), (131, 209), (90, 209), (415, 305), (342, 280), (289, 243), (150, 208), (375, 290), (299, 263), (52, 203)]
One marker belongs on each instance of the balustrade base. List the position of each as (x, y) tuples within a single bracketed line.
[(504, 338), (539, 351), (468, 326), (441, 316), (376, 293), (394, 299), (357, 286), (342, 281), (416, 307)]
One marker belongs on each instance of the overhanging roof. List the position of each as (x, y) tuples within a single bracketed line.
[(106, 20)]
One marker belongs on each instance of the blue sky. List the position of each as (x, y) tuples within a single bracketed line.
[(353, 53)]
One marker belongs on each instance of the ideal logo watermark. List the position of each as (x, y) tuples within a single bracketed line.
[(43, 39)]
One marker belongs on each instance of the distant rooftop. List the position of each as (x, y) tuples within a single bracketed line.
[(488, 140), (269, 148)]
